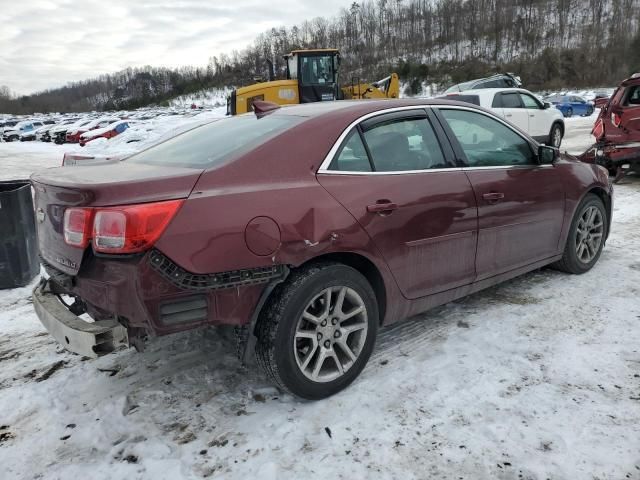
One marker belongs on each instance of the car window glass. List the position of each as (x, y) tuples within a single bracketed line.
[(405, 144), (511, 100), (352, 156), (497, 101), (634, 96), (529, 102), (215, 142), (496, 83), (487, 142)]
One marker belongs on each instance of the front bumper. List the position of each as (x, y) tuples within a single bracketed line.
[(76, 335)]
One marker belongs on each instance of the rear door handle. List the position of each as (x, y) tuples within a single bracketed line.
[(382, 207), (493, 197)]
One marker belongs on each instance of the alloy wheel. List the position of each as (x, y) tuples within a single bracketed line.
[(330, 334), (589, 233), (556, 139)]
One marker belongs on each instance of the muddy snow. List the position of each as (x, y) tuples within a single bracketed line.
[(536, 378)]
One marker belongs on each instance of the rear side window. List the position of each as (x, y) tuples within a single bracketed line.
[(495, 83), (404, 145), (352, 157), (211, 144), (511, 100), (487, 142), (475, 99), (633, 98)]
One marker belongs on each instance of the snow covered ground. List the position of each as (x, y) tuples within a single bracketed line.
[(533, 379)]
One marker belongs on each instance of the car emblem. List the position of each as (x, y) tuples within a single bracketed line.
[(40, 215)]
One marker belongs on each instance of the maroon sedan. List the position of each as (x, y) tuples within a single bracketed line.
[(308, 227)]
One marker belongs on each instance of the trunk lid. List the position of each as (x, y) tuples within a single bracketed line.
[(98, 186)]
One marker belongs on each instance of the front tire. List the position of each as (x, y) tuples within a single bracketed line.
[(586, 237), (569, 113), (317, 331)]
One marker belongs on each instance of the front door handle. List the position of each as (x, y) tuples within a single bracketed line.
[(493, 197), (382, 207)]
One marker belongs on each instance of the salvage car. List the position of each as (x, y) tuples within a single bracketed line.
[(73, 134), (617, 131), (13, 134), (308, 227), (571, 105), (522, 108), (501, 80), (110, 131)]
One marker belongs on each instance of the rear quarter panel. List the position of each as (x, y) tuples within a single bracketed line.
[(209, 234)]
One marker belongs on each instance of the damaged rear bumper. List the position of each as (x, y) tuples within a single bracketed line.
[(73, 333)]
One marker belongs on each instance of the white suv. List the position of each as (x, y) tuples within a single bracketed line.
[(522, 108)]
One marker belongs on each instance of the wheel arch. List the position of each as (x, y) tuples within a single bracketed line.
[(606, 199), (365, 267)]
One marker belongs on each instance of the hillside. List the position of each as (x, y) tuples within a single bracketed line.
[(550, 43)]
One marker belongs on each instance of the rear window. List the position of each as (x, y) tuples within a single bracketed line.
[(475, 99), (210, 144)]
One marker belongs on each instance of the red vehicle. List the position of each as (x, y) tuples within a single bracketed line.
[(309, 227), (110, 131), (73, 136), (617, 130)]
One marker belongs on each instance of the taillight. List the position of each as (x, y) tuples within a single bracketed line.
[(616, 119), (126, 229), (131, 228), (77, 226)]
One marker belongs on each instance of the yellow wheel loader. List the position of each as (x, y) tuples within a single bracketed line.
[(312, 76)]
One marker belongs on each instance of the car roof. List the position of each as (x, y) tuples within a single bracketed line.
[(350, 108)]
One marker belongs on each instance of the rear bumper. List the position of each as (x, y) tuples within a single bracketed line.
[(76, 335)]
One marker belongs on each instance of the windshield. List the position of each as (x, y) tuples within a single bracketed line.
[(215, 142)]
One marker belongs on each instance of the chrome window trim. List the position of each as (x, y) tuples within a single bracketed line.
[(398, 172), (324, 166)]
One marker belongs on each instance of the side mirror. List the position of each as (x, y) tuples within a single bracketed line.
[(547, 155), (546, 105)]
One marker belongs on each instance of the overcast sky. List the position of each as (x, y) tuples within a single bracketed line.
[(47, 43)]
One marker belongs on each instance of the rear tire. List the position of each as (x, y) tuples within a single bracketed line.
[(555, 135), (586, 237), (569, 113), (309, 340)]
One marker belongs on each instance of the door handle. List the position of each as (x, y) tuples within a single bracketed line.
[(532, 115), (493, 197), (382, 207), (508, 115)]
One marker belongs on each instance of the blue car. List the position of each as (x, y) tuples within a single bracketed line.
[(571, 105)]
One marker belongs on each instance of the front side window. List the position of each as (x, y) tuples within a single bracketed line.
[(529, 101), (486, 142), (404, 145)]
